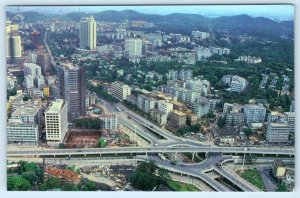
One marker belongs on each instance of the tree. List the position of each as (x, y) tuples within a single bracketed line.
[(247, 131), (30, 176), (221, 122), (69, 187), (148, 176), (102, 142), (17, 183), (51, 183), (89, 186)]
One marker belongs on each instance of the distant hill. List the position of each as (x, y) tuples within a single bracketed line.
[(185, 23)]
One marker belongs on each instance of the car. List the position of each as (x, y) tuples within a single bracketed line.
[(79, 150), (245, 149), (128, 117)]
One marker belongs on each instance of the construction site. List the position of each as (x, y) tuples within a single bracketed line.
[(82, 138)]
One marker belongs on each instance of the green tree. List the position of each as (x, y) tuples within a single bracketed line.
[(17, 183), (221, 122), (31, 177), (89, 186), (51, 183), (148, 176), (102, 142), (69, 187), (247, 131)]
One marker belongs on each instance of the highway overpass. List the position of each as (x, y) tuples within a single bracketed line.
[(149, 150)]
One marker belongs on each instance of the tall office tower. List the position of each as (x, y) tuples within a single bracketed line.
[(35, 39), (133, 47), (13, 41), (71, 86), (43, 59), (56, 121), (87, 33)]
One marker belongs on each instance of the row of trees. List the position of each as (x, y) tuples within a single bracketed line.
[(88, 123), (193, 128)]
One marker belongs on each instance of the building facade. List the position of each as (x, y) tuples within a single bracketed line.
[(19, 131), (120, 90), (56, 121), (88, 33), (71, 85), (254, 113)]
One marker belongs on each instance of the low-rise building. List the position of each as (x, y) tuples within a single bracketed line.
[(158, 116), (19, 131), (145, 103), (280, 127)]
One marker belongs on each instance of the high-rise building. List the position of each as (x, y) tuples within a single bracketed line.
[(13, 41), (120, 90), (35, 39), (133, 47), (71, 86), (109, 122), (43, 59), (87, 33), (254, 113), (56, 121)]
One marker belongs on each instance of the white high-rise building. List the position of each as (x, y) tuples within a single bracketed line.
[(56, 121), (88, 33), (13, 41), (120, 90), (29, 82), (32, 69), (254, 113), (133, 47)]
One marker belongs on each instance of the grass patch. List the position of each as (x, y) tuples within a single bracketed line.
[(254, 177), (180, 186)]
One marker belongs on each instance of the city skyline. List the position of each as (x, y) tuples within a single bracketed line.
[(268, 11), (126, 101)]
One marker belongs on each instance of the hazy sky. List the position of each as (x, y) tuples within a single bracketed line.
[(270, 11)]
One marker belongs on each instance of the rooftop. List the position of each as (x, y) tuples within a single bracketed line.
[(25, 111), (56, 106), (179, 113)]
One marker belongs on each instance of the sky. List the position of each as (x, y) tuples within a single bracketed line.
[(279, 12)]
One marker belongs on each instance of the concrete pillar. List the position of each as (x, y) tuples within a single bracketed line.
[(115, 154), (175, 156), (69, 155), (85, 155), (193, 157), (263, 154), (100, 154)]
